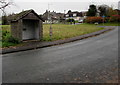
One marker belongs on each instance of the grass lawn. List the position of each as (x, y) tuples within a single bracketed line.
[(0, 22), (62, 31), (110, 24), (5, 28)]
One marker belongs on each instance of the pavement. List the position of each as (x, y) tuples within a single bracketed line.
[(37, 44), (92, 60)]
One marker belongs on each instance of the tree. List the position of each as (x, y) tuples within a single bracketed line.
[(71, 21), (5, 20), (4, 4), (103, 10), (112, 12), (69, 11), (92, 10)]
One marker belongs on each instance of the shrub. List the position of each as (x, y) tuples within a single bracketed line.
[(7, 44), (94, 19), (6, 37), (115, 18), (70, 20), (12, 40), (106, 19), (5, 20), (5, 34)]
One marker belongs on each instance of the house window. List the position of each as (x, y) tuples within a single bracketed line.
[(74, 15), (67, 15)]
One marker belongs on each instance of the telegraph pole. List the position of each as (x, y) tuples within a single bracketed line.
[(50, 21), (64, 16), (103, 19)]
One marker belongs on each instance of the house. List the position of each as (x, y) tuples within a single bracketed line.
[(74, 15), (27, 25), (118, 11), (52, 17)]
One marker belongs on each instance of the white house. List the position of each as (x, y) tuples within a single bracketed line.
[(75, 15)]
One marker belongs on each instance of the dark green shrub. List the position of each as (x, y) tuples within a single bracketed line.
[(6, 37), (70, 21), (5, 34), (7, 44), (5, 20), (106, 19), (115, 18), (12, 40)]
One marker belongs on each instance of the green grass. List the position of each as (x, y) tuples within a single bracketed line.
[(110, 24), (0, 22), (0, 44), (61, 31), (5, 28), (7, 44)]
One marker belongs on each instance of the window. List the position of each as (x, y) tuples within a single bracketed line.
[(67, 15), (74, 15)]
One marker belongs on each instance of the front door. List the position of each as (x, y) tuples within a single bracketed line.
[(28, 30)]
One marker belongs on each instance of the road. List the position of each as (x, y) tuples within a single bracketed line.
[(92, 60)]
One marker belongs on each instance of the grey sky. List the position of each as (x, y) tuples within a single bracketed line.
[(40, 6)]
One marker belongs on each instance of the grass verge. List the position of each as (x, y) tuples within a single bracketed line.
[(62, 31), (5, 28), (110, 24)]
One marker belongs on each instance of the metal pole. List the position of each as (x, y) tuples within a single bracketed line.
[(103, 20), (50, 31), (64, 16), (49, 19)]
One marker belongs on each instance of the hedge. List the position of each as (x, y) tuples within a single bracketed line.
[(94, 20), (115, 18)]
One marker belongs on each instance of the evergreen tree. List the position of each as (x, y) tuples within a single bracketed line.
[(92, 10), (4, 20)]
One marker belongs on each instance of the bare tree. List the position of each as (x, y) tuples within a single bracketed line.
[(104, 9), (4, 4)]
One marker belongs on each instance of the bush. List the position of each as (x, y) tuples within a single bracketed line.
[(6, 37), (70, 20), (115, 18), (5, 20), (7, 44), (106, 19), (5, 34), (94, 20), (12, 40)]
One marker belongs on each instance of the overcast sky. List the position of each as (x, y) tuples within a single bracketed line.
[(40, 6)]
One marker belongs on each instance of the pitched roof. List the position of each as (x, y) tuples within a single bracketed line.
[(53, 15), (22, 14), (75, 12)]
